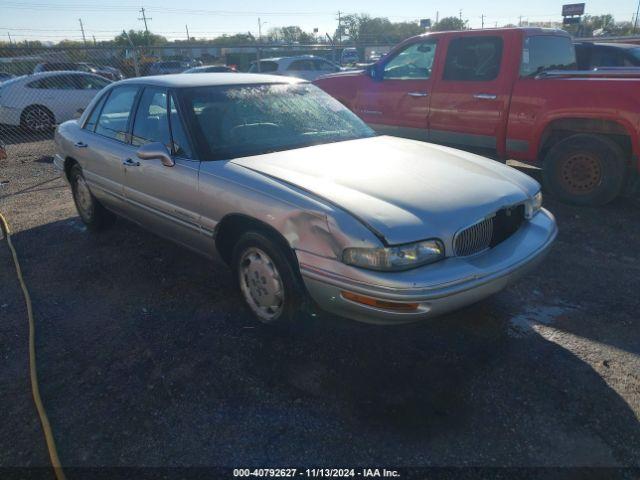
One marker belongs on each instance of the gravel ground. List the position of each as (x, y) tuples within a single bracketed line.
[(147, 356)]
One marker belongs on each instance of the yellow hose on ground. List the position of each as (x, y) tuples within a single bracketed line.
[(33, 372)]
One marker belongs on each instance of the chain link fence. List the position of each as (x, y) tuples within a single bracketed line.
[(41, 87)]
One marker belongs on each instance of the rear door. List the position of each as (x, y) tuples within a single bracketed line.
[(102, 145), (398, 103), (470, 102), (163, 199)]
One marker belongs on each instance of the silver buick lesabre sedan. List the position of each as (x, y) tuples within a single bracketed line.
[(301, 198)]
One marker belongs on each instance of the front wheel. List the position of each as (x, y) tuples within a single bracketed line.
[(585, 170), (268, 280)]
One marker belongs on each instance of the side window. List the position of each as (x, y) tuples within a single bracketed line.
[(473, 59), (151, 123), (324, 66), (547, 52), (114, 118), (90, 82), (606, 57), (301, 66), (181, 146), (93, 118), (55, 82), (414, 62)]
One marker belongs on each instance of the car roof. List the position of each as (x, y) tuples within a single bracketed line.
[(186, 80), (615, 45), (294, 57)]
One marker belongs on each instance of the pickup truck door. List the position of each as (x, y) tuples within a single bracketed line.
[(469, 105), (162, 198), (397, 103)]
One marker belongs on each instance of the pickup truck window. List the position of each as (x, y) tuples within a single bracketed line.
[(546, 52), (415, 61), (473, 59)]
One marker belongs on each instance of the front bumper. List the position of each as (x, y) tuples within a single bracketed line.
[(438, 288), (58, 163), (10, 115)]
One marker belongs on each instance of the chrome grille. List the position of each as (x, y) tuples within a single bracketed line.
[(475, 238)]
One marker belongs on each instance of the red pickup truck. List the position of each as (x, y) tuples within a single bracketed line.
[(513, 94)]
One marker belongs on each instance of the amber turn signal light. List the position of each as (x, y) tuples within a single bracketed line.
[(382, 304)]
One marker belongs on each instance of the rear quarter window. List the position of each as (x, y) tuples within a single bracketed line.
[(546, 52)]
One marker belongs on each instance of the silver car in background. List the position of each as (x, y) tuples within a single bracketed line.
[(301, 198)]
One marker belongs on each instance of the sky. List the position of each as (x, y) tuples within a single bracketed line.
[(55, 20)]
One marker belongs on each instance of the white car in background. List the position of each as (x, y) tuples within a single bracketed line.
[(40, 101), (307, 67)]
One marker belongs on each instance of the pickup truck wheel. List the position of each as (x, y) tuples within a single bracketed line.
[(585, 170), (268, 281), (91, 212)]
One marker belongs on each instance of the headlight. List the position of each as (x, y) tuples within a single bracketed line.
[(534, 205), (402, 257)]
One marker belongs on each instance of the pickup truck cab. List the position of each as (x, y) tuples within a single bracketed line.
[(513, 94)]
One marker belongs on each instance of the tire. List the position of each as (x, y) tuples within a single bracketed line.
[(268, 279), (90, 210), (585, 170), (36, 118)]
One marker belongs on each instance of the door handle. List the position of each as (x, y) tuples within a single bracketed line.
[(485, 96), (418, 94), (80, 145), (129, 162)]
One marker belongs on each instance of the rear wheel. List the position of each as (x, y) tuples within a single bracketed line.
[(268, 280), (91, 212), (585, 170), (37, 119)]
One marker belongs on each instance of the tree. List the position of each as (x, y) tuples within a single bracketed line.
[(362, 29), (450, 23), (291, 34), (140, 38)]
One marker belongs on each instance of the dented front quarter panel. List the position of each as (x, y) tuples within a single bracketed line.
[(308, 223)]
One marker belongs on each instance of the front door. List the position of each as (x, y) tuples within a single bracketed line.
[(471, 101), (162, 198), (398, 102)]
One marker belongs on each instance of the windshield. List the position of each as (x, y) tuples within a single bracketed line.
[(238, 121), (547, 52)]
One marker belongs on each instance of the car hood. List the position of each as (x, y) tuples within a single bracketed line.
[(403, 190)]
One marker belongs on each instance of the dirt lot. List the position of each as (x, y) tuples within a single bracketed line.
[(147, 356)]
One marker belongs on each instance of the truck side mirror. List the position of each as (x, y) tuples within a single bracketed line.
[(376, 72)]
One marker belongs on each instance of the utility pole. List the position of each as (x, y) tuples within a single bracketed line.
[(144, 19), (84, 39), (186, 27), (437, 17), (635, 22), (460, 14), (482, 17), (10, 41), (95, 44), (340, 27), (520, 21), (260, 24)]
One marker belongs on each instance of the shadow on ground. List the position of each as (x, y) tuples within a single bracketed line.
[(147, 357)]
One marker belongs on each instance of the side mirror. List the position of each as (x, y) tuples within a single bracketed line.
[(376, 72), (156, 151)]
